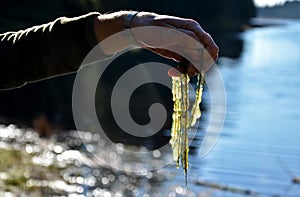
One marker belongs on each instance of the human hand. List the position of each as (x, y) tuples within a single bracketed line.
[(168, 43), (192, 48)]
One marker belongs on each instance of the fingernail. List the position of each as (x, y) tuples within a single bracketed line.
[(173, 72)]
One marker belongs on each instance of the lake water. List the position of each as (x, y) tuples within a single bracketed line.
[(259, 147)]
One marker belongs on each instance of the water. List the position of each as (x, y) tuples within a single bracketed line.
[(259, 146)]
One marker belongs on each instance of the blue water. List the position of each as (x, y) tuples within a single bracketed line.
[(259, 147)]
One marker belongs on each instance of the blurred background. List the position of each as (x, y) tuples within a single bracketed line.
[(42, 154)]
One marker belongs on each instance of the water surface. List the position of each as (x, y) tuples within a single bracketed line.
[(259, 147)]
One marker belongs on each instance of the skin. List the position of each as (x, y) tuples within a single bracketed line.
[(109, 24)]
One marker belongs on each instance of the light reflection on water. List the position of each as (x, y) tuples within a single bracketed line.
[(260, 140), (61, 166)]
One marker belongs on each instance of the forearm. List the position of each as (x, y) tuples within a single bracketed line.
[(110, 24), (45, 51)]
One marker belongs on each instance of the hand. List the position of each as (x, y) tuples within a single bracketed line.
[(159, 43), (170, 41)]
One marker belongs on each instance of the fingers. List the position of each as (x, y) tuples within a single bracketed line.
[(192, 49), (209, 43), (170, 42), (186, 68), (179, 70), (166, 54), (198, 62), (174, 72), (193, 26), (191, 70)]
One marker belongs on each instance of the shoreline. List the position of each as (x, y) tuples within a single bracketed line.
[(262, 21)]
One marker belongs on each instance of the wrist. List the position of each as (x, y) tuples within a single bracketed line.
[(129, 19), (127, 28), (106, 25)]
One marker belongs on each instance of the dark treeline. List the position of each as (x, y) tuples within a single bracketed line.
[(287, 10), (213, 14)]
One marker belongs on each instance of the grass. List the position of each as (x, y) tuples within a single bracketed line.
[(17, 168), (12, 164)]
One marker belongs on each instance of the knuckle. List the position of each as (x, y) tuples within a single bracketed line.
[(155, 22), (192, 21), (215, 50), (215, 56), (207, 36)]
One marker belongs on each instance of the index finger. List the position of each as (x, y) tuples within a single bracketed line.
[(195, 27), (206, 38)]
